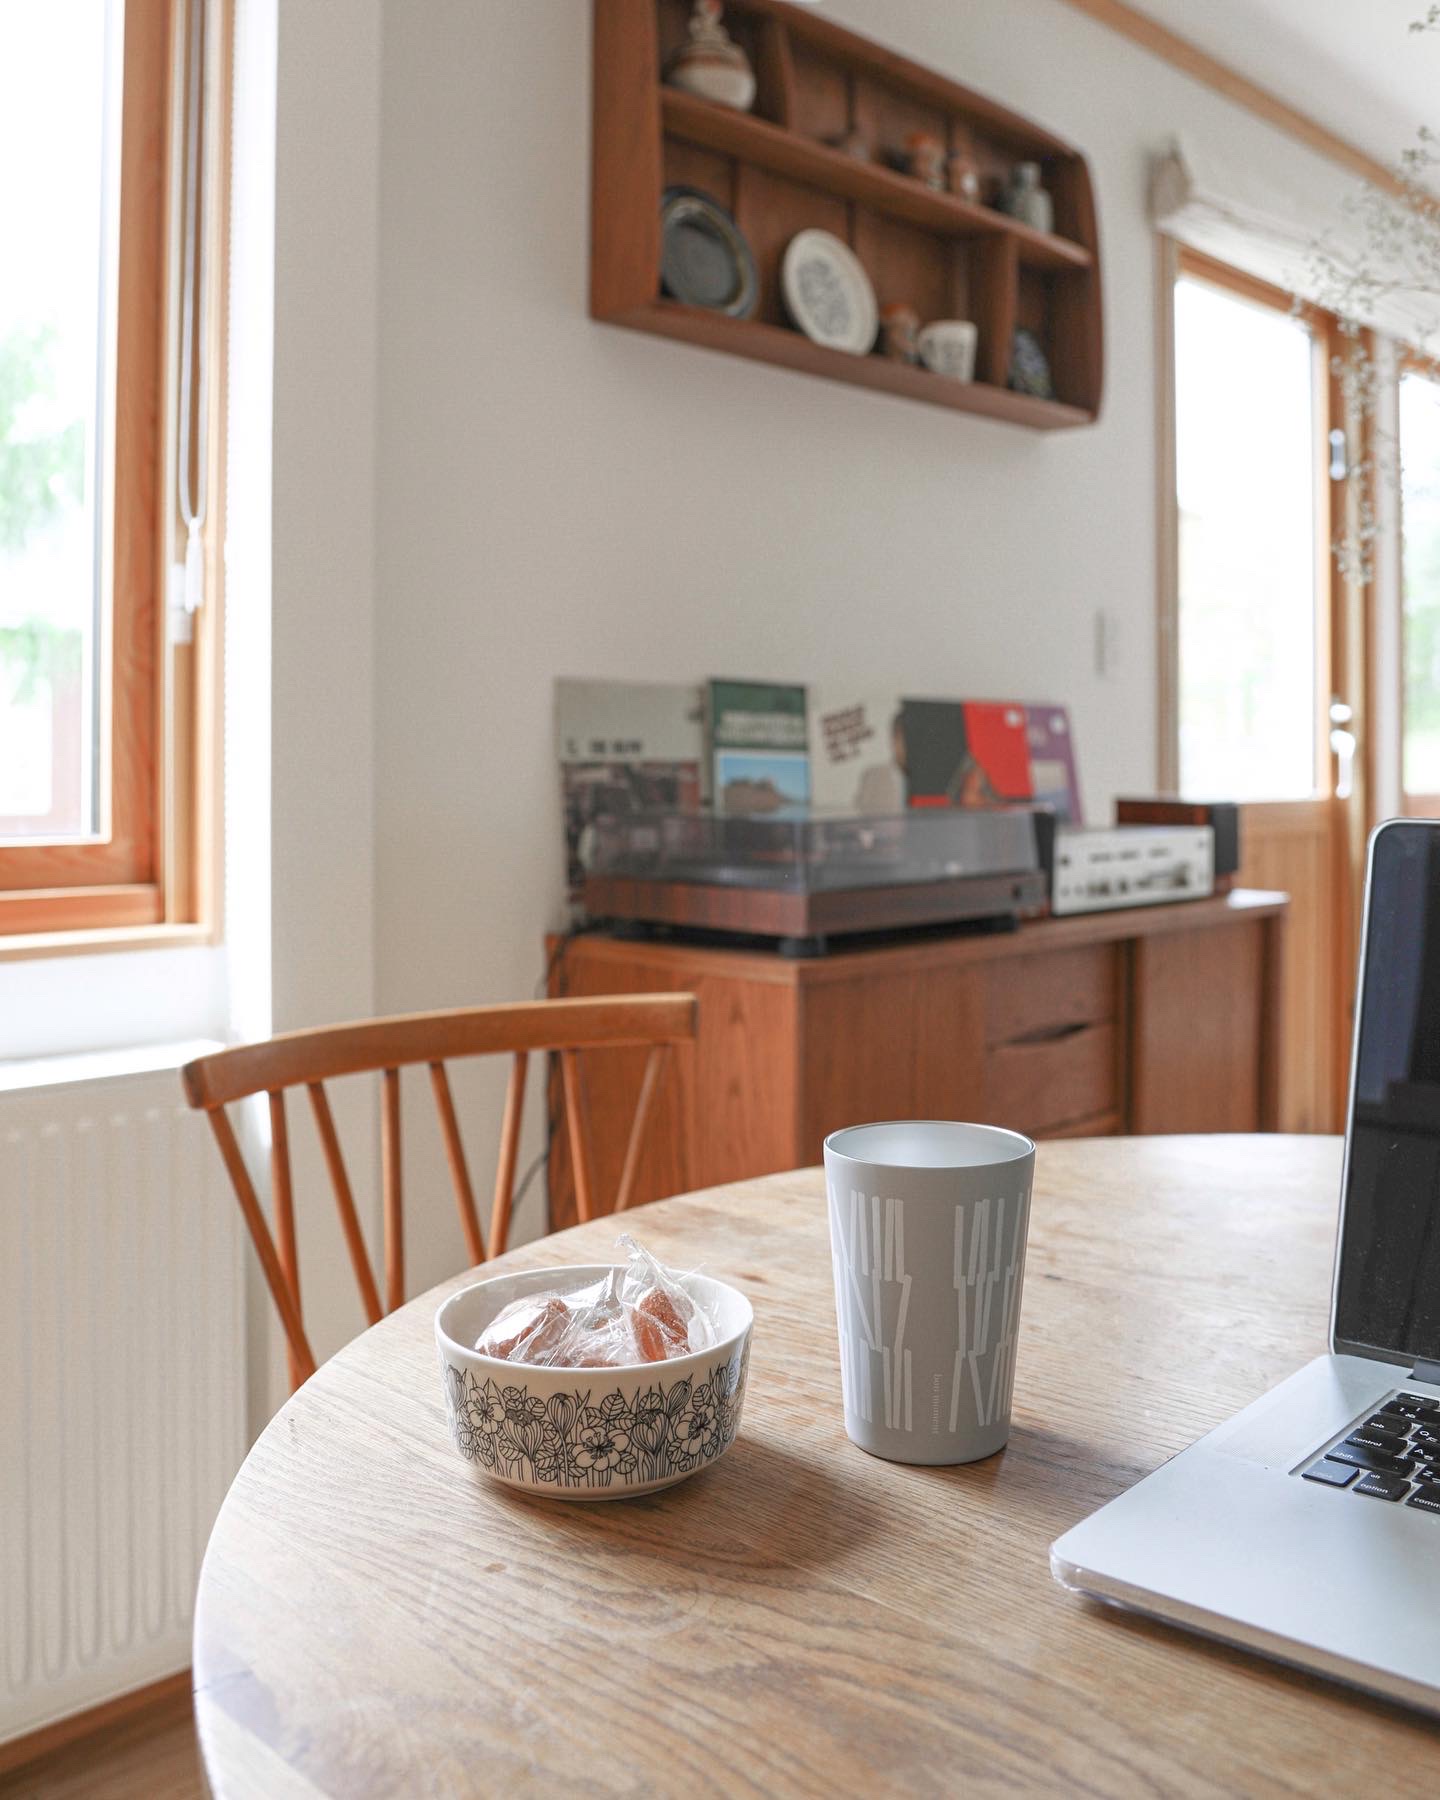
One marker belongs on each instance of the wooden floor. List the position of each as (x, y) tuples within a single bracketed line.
[(151, 1758)]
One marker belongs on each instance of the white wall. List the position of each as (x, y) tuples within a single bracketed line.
[(557, 496), (301, 876)]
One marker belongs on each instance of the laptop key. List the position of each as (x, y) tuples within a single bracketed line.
[(1333, 1474), (1422, 1403), (1381, 1487), (1367, 1439), (1427, 1498), (1362, 1458)]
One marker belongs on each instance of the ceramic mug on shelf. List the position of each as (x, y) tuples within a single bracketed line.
[(928, 1226), (947, 347)]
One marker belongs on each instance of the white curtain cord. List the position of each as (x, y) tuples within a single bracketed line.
[(195, 263)]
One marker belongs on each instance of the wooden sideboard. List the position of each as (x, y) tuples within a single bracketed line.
[(1152, 1020)]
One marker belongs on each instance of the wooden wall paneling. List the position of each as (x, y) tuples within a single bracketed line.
[(774, 73), (1075, 343), (1079, 340), (1195, 1031), (770, 209), (1050, 1082), (908, 1047), (994, 290), (625, 158), (822, 97), (888, 116), (905, 264), (1289, 846), (1042, 996), (743, 1065), (687, 165)]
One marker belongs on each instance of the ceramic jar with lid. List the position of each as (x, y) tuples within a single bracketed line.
[(712, 64)]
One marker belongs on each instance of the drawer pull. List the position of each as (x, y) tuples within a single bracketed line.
[(1055, 1034)]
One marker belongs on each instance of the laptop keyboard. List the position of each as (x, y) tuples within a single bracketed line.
[(1393, 1455)]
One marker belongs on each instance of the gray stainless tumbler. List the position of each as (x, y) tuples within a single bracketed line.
[(928, 1222)]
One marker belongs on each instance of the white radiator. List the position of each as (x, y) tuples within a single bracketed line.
[(122, 1385)]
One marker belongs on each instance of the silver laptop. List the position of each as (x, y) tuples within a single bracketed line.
[(1308, 1526)]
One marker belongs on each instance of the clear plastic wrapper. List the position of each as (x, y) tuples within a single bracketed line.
[(640, 1312)]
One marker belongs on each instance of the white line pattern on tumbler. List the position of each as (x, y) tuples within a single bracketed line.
[(977, 1271), (869, 1254)]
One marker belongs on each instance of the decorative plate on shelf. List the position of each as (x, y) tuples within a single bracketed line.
[(827, 292), (704, 259)]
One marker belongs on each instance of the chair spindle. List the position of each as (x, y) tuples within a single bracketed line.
[(455, 1156), (345, 1201), (280, 1291), (509, 1155), (649, 1081), (391, 1191), (282, 1199), (577, 1121)]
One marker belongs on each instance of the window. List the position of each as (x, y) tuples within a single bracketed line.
[(1420, 620), (1248, 386), (108, 334)]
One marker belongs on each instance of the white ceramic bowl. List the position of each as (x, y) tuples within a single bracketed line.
[(591, 1434)]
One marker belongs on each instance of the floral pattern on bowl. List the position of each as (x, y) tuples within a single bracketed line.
[(591, 1434), (579, 1440)]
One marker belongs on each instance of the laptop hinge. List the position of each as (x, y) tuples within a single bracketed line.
[(1426, 1370)]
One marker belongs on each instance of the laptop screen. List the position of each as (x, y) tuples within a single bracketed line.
[(1387, 1292)]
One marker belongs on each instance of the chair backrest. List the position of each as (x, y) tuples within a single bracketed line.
[(311, 1058)]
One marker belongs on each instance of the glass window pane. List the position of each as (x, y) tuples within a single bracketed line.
[(1420, 512), (57, 111), (1245, 474)]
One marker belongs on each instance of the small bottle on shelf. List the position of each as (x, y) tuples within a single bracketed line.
[(1026, 200)]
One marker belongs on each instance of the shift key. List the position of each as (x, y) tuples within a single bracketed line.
[(1361, 1458)]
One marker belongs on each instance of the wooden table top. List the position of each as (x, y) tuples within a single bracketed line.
[(376, 1617)]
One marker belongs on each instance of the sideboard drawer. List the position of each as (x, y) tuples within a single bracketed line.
[(1045, 1083), (1029, 997)]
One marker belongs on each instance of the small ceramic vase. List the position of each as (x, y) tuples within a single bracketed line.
[(925, 158), (964, 175), (900, 332), (1029, 366), (712, 64), (1026, 200)]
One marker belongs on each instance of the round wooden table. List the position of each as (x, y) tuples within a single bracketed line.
[(376, 1617)]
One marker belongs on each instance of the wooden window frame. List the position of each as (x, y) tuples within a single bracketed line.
[(152, 874), (1408, 362), (1177, 261)]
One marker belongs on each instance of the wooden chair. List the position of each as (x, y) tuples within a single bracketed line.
[(311, 1058)]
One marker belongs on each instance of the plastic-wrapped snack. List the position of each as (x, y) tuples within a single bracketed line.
[(639, 1312)]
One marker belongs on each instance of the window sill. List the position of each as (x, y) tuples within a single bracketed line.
[(27, 1075), (24, 946)]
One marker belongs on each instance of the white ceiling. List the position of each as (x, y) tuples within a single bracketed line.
[(1352, 65)]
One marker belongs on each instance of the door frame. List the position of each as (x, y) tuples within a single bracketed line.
[(1344, 637)]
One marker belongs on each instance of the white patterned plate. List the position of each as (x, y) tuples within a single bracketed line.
[(827, 292)]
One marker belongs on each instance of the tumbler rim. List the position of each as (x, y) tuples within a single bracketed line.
[(1010, 1146)]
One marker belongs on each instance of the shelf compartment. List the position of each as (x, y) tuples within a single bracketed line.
[(754, 140), (791, 350)]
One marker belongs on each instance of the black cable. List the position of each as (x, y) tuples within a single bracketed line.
[(553, 966)]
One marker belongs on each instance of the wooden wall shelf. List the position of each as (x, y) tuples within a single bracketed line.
[(776, 171)]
